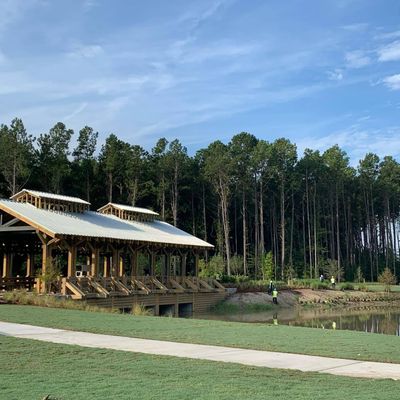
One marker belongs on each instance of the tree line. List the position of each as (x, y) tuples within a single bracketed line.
[(257, 201)]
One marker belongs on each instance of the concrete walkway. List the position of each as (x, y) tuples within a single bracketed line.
[(269, 359)]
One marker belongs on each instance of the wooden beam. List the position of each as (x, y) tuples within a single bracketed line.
[(6, 265), (152, 263), (95, 260), (115, 262), (30, 260), (121, 265), (106, 264), (26, 220), (72, 261), (196, 264), (183, 263)]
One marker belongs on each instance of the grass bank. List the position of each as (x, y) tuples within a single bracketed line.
[(66, 372), (342, 344)]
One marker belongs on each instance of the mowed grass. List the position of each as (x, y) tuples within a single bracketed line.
[(31, 370), (341, 344)]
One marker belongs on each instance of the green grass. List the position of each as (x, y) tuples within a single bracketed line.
[(377, 287), (32, 370), (342, 344)]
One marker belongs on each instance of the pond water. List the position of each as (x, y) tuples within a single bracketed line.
[(377, 319)]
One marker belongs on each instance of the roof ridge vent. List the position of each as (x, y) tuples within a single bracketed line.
[(129, 213), (51, 201)]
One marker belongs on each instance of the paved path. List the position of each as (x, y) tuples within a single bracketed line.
[(256, 358)]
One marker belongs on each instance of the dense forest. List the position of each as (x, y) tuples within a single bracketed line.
[(258, 202)]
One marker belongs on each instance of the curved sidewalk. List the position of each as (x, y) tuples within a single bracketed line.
[(257, 358)]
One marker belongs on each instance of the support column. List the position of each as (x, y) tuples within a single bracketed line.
[(115, 262), (46, 257), (196, 264), (121, 266), (183, 263), (106, 266), (95, 259), (133, 259), (152, 263), (167, 265), (71, 261), (30, 260), (6, 265)]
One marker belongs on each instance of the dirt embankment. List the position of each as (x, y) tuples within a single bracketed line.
[(290, 298)]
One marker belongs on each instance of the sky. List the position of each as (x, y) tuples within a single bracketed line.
[(316, 72)]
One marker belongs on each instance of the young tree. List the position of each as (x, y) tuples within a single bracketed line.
[(84, 155), (111, 159), (16, 155), (53, 156), (174, 161), (218, 170)]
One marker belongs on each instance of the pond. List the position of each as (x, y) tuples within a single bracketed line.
[(377, 319)]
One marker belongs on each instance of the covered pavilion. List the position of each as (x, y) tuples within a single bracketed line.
[(116, 256)]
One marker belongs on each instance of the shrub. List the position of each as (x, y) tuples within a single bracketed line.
[(140, 309), (267, 266), (346, 286), (214, 268), (387, 279), (363, 287), (319, 285)]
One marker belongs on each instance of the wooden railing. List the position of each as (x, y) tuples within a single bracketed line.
[(17, 282), (89, 287)]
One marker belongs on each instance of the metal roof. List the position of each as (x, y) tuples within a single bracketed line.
[(124, 207), (96, 225), (51, 196)]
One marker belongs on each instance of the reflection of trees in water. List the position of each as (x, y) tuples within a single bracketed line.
[(386, 323)]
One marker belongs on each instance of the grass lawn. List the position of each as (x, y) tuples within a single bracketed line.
[(377, 287), (31, 370), (342, 344)]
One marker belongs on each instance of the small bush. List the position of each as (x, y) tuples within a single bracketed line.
[(386, 278), (140, 310), (319, 285), (346, 286), (363, 287)]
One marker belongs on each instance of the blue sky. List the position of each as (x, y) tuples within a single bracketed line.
[(316, 72)]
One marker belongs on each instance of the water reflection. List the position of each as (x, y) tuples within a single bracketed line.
[(385, 320)]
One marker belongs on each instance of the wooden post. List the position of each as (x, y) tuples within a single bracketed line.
[(30, 260), (183, 263), (106, 265), (115, 262), (133, 259), (196, 264), (95, 259), (168, 265), (71, 261), (6, 265), (121, 265), (46, 257), (152, 262)]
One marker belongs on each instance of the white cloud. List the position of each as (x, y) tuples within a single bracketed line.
[(335, 75), (75, 112), (86, 51), (388, 35), (357, 142), (392, 82), (356, 27), (390, 52), (357, 59)]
